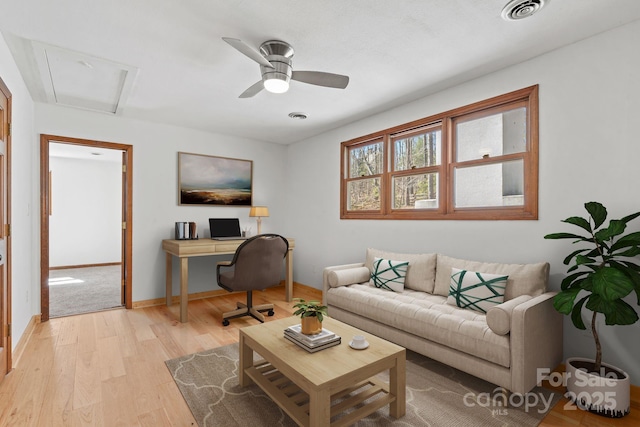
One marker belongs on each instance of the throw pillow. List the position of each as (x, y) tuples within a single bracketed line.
[(388, 274), (477, 291)]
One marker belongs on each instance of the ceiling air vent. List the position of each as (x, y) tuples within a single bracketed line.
[(520, 9), (298, 116)]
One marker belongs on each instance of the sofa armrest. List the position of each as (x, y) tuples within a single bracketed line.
[(325, 277), (536, 341), (499, 316)]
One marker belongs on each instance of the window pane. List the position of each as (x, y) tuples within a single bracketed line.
[(500, 184), (415, 191), (417, 151), (494, 135), (363, 195), (365, 160)]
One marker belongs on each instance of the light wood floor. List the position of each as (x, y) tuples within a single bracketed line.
[(107, 368)]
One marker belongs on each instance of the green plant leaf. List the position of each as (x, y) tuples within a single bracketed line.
[(616, 312), (631, 252), (634, 267), (631, 239), (630, 217), (581, 259), (566, 236), (622, 314), (611, 284), (572, 280), (593, 253), (569, 257), (598, 213), (616, 227), (563, 301), (599, 304), (576, 314), (580, 222)]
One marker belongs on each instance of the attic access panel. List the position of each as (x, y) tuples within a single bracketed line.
[(77, 80)]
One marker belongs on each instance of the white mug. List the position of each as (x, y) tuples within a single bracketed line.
[(359, 341)]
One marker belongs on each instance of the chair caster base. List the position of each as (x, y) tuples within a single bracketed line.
[(225, 322), (270, 313)]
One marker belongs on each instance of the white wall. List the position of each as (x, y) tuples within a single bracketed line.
[(25, 283), (589, 150), (155, 193), (86, 222)]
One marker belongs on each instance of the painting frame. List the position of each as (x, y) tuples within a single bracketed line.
[(206, 180)]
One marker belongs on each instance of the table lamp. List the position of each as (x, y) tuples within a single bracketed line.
[(259, 211)]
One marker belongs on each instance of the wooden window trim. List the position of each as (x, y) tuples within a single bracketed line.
[(526, 97)]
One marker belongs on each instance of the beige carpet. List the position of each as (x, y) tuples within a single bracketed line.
[(437, 395), (84, 290)]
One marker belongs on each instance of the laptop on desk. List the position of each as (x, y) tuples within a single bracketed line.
[(225, 229)]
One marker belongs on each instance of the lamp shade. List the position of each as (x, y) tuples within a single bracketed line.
[(259, 211)]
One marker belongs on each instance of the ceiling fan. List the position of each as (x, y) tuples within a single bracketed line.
[(276, 69)]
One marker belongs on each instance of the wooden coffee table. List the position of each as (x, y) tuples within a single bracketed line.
[(304, 384)]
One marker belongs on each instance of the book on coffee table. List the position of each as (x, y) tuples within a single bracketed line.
[(335, 341), (321, 337)]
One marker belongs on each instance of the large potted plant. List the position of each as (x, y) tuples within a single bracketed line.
[(600, 275), (311, 315)]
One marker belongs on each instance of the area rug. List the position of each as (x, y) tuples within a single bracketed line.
[(437, 395)]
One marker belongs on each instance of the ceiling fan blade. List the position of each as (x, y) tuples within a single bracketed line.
[(245, 49), (320, 78), (253, 90)]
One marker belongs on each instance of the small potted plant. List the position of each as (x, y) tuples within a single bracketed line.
[(311, 315), (602, 275)]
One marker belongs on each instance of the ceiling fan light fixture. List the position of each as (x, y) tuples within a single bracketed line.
[(276, 85)]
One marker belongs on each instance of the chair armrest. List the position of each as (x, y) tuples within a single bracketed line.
[(218, 266), (536, 341), (325, 277)]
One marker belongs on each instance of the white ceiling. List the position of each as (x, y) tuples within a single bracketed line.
[(61, 149), (178, 70)]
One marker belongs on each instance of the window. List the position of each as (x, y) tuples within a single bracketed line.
[(475, 162)]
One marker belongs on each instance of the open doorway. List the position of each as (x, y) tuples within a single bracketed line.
[(86, 226)]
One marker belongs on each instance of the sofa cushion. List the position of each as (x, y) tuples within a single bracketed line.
[(499, 317), (476, 291), (348, 276), (426, 316), (524, 279), (421, 273), (389, 274)]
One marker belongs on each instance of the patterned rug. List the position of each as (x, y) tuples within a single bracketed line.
[(437, 395)]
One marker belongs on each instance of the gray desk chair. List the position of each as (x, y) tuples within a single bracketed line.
[(256, 265)]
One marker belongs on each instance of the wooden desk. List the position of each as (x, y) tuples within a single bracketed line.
[(184, 249)]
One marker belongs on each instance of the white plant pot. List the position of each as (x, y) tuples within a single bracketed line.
[(607, 395)]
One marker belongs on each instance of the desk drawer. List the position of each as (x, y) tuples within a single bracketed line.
[(227, 247)]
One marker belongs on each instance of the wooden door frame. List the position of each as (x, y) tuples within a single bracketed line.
[(45, 200), (8, 262)]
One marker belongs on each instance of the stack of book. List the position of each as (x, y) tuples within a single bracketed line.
[(311, 343), (186, 231)]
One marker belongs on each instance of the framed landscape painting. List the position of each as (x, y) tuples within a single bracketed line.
[(211, 180)]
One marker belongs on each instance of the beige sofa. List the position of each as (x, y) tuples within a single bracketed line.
[(505, 346)]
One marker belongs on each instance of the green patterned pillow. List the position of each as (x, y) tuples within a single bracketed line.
[(388, 274), (477, 291)]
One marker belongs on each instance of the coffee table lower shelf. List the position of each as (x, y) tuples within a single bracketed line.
[(295, 402)]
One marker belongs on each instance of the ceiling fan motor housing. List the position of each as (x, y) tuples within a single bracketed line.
[(279, 54)]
